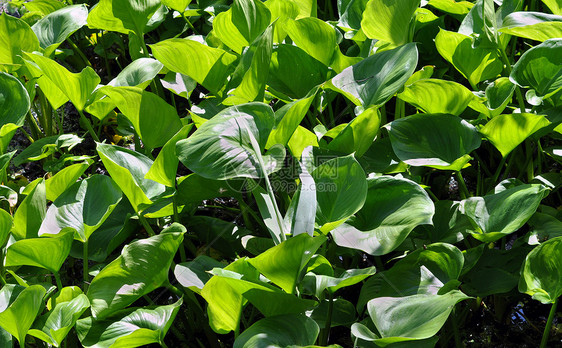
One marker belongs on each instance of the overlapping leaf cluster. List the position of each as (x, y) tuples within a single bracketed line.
[(251, 173)]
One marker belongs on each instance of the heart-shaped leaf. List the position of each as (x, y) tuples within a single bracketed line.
[(14, 100), (15, 37), (314, 36), (434, 96)]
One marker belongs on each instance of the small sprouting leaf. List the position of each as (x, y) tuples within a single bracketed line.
[(142, 267), (541, 274)]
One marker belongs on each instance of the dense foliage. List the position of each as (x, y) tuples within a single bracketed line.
[(250, 173)]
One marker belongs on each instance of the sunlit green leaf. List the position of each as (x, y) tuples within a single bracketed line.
[(14, 100), (19, 307), (15, 37), (279, 331), (389, 20), (533, 25), (122, 16), (437, 96)]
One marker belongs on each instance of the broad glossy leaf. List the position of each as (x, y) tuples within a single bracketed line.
[(251, 74), (283, 263), (57, 323), (540, 68), (14, 100), (533, 25), (84, 207), (49, 253), (436, 141), (122, 16), (62, 180), (505, 132), (288, 118), (5, 226), (137, 74), (245, 21), (389, 20), (393, 208), (496, 272), (319, 282), (165, 166), (343, 313), (57, 26), (300, 140), (424, 271), (350, 13), (279, 331), (341, 189), (270, 214), (435, 96), (314, 36), (142, 267), (475, 63), (153, 119), (128, 168), (30, 213), (44, 147), (301, 214), (178, 5), (376, 78), (281, 11), (452, 6), (128, 328), (411, 317), (541, 275), (44, 6), (499, 214), (359, 134), (206, 65), (15, 37), (18, 308), (222, 149), (78, 87), (179, 84), (294, 73), (554, 5), (498, 95), (195, 274), (543, 228)]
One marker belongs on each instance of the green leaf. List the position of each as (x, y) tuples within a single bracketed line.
[(283, 263), (128, 328), (19, 307), (281, 10), (45, 147), (49, 253), (165, 166), (242, 23), (389, 20), (128, 168), (301, 214), (453, 7), (436, 141), (140, 108), (359, 134), (279, 331), (30, 213), (270, 214), (137, 74), (496, 215), (505, 132), (57, 26), (122, 16), (62, 180), (178, 5), (533, 25), (251, 74), (77, 87), (206, 65), (142, 267), (412, 317), (341, 189), (435, 96), (541, 275), (554, 6), (294, 73), (5, 226), (54, 326), (221, 148), (14, 100), (343, 313), (314, 36), (393, 208), (195, 274), (475, 63), (375, 79), (84, 207), (540, 68), (44, 6), (424, 271), (319, 282), (15, 37), (498, 95)]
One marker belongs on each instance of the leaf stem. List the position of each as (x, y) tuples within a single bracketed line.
[(85, 266), (463, 189), (455, 327), (88, 125), (548, 326), (146, 225), (518, 93), (35, 130), (498, 171), (325, 334), (57, 279), (79, 51)]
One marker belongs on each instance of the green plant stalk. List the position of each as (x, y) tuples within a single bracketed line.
[(530, 162), (325, 332), (59, 121), (2, 271), (79, 51), (85, 266), (400, 109), (456, 335), (146, 225), (518, 93), (89, 126), (546, 332), (57, 279), (35, 130), (463, 189), (46, 113), (498, 171)]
